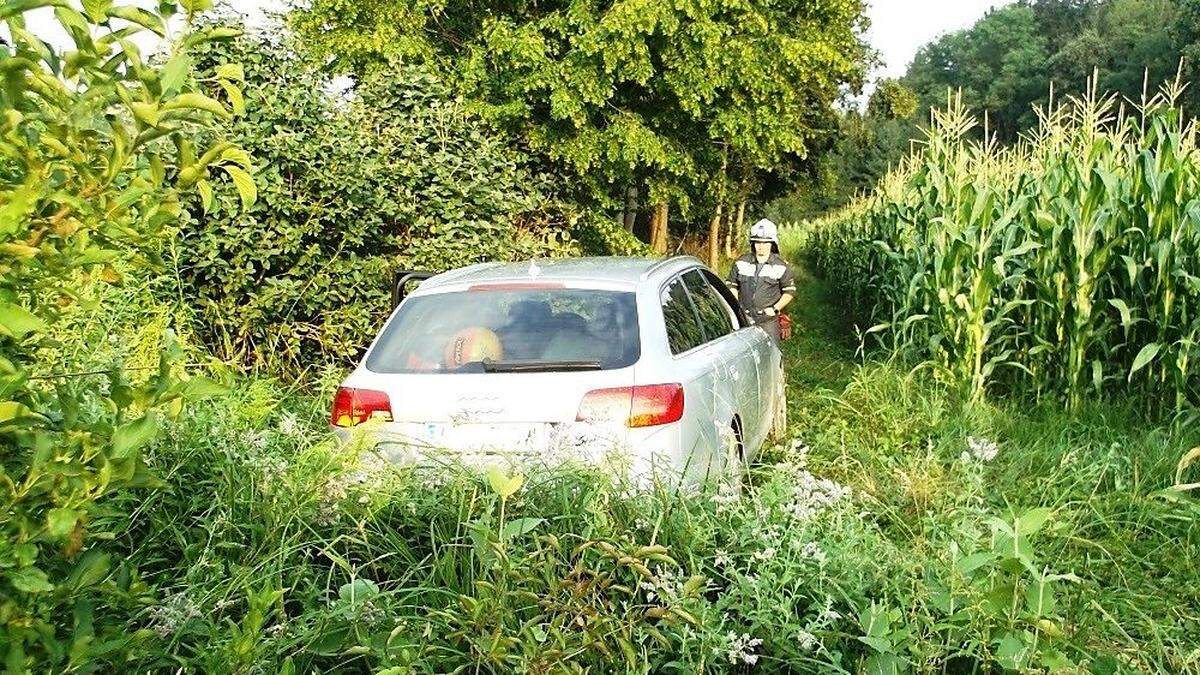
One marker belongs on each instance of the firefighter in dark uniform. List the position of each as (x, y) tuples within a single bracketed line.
[(764, 282)]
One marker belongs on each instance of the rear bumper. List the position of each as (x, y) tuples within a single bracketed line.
[(638, 454)]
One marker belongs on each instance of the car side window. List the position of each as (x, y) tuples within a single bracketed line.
[(683, 328), (715, 316), (727, 299)]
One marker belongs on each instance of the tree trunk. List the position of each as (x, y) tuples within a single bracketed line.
[(735, 230), (631, 205), (714, 237), (730, 223), (659, 239)]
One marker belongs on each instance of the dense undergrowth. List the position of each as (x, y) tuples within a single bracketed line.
[(901, 529)]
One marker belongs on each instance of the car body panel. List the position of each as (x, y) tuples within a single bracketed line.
[(477, 416)]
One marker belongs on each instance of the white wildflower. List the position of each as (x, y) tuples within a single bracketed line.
[(289, 425), (982, 449), (798, 453), (273, 468), (170, 616), (766, 554), (371, 614), (256, 439), (741, 648), (806, 640), (336, 489), (812, 495), (722, 559), (724, 498), (813, 551)]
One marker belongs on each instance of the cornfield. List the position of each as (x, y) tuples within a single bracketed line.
[(1066, 266)]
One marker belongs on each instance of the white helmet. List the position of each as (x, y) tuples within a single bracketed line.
[(765, 230)]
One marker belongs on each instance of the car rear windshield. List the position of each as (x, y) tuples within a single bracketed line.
[(504, 329)]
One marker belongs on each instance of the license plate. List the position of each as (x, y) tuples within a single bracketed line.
[(516, 438)]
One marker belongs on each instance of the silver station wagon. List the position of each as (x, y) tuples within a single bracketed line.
[(648, 360)]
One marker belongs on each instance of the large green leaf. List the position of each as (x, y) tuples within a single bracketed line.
[(234, 93), (92, 568), (15, 7), (244, 183), (60, 522), (97, 10), (174, 73), (197, 101), (231, 71), (146, 112), (132, 436), (139, 16), (520, 526), (30, 580), (1144, 357), (17, 322)]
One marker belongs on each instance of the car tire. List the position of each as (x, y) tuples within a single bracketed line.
[(779, 411)]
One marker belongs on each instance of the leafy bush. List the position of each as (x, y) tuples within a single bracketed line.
[(394, 174), (346, 562), (86, 177)]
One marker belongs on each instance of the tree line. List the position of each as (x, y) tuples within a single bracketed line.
[(1006, 66)]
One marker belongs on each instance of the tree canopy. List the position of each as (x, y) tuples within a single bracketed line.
[(625, 93), (1005, 63)]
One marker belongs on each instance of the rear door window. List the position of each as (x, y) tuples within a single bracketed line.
[(726, 298), (506, 329), (715, 316), (683, 326)]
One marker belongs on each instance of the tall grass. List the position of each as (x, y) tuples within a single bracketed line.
[(1065, 266), (881, 546)]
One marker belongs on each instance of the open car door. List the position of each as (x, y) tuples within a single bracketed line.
[(400, 284)]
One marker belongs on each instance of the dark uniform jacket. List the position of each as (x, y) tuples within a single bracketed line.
[(760, 286)]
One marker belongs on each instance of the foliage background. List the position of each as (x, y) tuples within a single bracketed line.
[(1060, 267), (395, 173), (695, 106)]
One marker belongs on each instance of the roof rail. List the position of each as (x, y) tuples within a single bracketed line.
[(666, 262)]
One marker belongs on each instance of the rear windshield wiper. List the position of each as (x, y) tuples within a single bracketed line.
[(538, 366)]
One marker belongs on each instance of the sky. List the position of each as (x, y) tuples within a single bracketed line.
[(898, 27)]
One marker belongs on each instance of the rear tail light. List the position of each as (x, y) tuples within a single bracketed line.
[(355, 406), (644, 406)]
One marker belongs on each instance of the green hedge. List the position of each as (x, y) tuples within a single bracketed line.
[(395, 173)]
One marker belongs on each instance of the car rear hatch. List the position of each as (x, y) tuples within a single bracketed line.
[(525, 416), (502, 370)]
